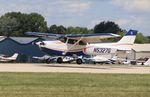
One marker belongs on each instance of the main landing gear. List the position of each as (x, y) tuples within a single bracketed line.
[(59, 60), (79, 61)]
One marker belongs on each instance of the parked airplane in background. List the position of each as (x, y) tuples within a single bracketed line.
[(7, 59), (44, 58), (99, 59), (83, 44), (145, 63)]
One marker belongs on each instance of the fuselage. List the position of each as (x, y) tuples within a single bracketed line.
[(59, 48), (82, 44)]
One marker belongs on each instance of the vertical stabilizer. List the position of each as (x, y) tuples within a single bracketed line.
[(129, 38), (14, 56), (147, 62)]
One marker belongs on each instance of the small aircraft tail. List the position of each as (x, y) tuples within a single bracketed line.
[(147, 62), (14, 56), (129, 38), (127, 41)]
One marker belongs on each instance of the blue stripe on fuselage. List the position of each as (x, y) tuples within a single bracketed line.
[(60, 53)]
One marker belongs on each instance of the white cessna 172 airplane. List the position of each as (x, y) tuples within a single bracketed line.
[(83, 44)]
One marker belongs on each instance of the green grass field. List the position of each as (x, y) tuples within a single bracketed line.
[(73, 85)]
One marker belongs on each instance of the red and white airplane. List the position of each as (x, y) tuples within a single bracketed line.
[(83, 44), (3, 58)]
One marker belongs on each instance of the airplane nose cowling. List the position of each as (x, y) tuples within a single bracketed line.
[(38, 43)]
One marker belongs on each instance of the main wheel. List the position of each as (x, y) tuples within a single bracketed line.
[(59, 60), (79, 61)]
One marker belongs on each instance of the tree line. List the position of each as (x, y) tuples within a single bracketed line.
[(17, 23)]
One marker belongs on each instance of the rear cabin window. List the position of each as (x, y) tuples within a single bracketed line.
[(82, 43)]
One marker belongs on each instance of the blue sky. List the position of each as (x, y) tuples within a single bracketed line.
[(129, 14)]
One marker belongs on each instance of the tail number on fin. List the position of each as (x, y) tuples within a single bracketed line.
[(102, 50)]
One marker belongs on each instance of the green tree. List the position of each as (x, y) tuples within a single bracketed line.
[(70, 30), (61, 29), (57, 29), (78, 30), (140, 38), (148, 38), (52, 29), (7, 25), (37, 22), (107, 27), (27, 22)]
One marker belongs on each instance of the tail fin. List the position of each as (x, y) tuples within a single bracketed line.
[(147, 62), (129, 38), (14, 56)]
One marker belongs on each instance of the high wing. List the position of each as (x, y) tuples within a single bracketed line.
[(88, 38)]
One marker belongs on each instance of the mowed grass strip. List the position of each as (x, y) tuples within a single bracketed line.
[(73, 85)]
